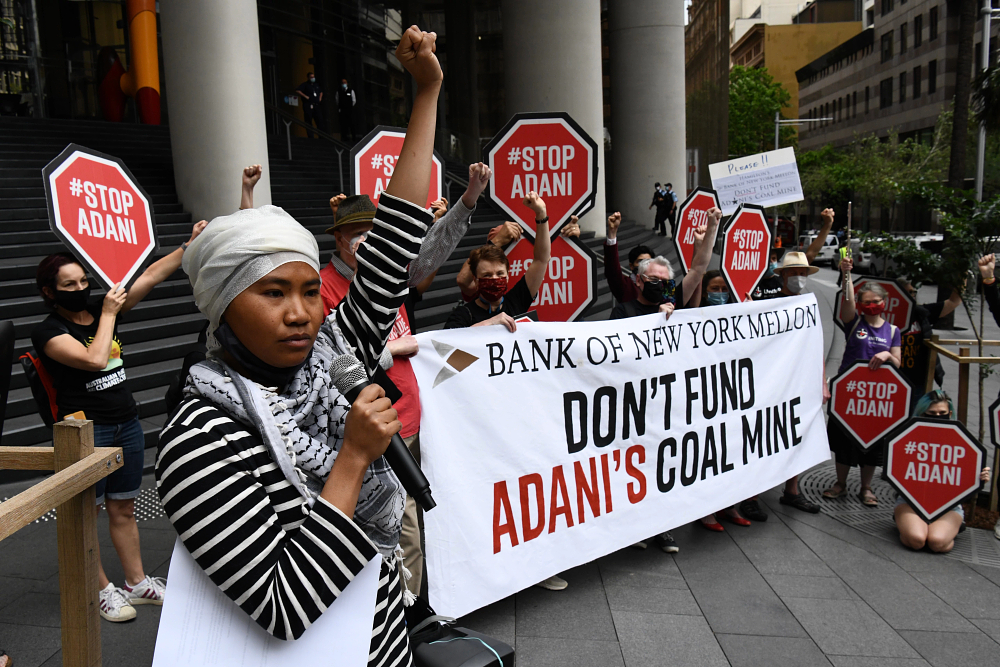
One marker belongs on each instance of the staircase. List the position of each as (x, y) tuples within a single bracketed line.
[(159, 331)]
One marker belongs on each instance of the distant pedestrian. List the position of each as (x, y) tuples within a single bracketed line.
[(312, 97), (661, 202), (671, 198), (346, 99)]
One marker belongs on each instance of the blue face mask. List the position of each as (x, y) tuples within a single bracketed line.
[(718, 298)]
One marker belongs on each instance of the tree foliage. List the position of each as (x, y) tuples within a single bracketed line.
[(754, 98)]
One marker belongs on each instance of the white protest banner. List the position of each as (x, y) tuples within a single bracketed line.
[(765, 179), (200, 625), (562, 442)]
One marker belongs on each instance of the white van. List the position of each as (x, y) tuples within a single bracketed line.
[(827, 253)]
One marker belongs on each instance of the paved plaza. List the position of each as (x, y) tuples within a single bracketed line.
[(835, 588)]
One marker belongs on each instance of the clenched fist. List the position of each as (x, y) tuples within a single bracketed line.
[(416, 53), (536, 204)]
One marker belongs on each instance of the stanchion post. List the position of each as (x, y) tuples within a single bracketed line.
[(963, 386), (931, 364), (76, 527)]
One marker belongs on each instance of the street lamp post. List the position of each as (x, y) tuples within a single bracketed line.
[(778, 122), (987, 13)]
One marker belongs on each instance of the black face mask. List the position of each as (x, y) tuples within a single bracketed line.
[(652, 290), (74, 301), (928, 415), (260, 371)]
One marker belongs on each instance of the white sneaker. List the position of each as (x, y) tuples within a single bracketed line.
[(114, 605), (639, 545), (553, 584), (148, 591)]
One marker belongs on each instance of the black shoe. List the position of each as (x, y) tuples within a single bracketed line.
[(750, 508), (666, 542), (799, 502)]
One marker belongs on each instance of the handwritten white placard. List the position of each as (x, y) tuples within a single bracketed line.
[(199, 625), (767, 179)]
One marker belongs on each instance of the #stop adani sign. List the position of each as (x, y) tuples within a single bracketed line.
[(547, 153), (867, 403), (374, 158), (693, 214), (99, 211), (934, 464), (570, 283), (745, 247), (898, 305)]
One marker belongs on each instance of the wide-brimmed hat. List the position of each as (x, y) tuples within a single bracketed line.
[(354, 209), (795, 260)]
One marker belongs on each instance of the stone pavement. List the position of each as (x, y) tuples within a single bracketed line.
[(800, 589)]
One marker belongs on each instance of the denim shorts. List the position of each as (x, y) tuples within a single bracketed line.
[(123, 483), (958, 509)]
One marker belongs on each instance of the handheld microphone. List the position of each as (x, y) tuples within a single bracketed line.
[(349, 377)]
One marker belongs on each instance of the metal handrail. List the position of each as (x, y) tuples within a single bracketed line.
[(289, 119)]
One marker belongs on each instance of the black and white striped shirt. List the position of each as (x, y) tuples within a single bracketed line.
[(250, 530)]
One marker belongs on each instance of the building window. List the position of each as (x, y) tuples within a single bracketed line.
[(931, 77), (855, 112), (902, 38), (918, 30), (933, 25), (885, 94), (902, 87), (916, 82), (867, 99), (886, 6), (887, 47)]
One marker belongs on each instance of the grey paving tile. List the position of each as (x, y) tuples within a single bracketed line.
[(657, 639), (546, 651), (652, 600), (12, 588), (795, 586), (971, 594), (32, 608), (991, 573), (989, 626), (579, 612), (33, 556), (866, 661), (54, 661), (784, 557), (946, 649), (131, 643), (650, 560), (739, 601), (30, 645), (496, 620), (748, 651), (848, 627), (615, 575)]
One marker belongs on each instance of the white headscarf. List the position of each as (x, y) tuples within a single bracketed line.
[(235, 251)]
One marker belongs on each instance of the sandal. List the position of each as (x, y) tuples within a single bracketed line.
[(868, 498), (5, 660), (835, 491), (799, 502)]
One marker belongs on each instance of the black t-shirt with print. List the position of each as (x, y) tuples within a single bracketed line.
[(103, 395), (916, 355), (767, 288), (516, 302)]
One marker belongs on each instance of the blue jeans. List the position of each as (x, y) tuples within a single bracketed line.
[(123, 483)]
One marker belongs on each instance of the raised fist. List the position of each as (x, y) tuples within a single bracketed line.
[(251, 175), (714, 215), (987, 264), (827, 215), (536, 204), (571, 229), (416, 53), (479, 177)]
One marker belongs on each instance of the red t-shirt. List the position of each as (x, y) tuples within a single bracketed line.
[(333, 291)]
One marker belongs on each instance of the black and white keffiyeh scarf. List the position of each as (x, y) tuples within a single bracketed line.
[(302, 426)]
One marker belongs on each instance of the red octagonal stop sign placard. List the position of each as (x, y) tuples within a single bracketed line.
[(548, 153), (934, 464), (745, 247), (898, 304), (994, 417), (869, 404), (570, 284), (693, 213), (99, 211), (373, 161)]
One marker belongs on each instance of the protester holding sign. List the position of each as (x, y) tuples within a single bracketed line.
[(869, 338), (915, 355), (276, 485), (623, 289), (81, 350), (496, 304), (914, 532)]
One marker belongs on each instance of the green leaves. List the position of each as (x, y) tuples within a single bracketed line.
[(754, 98)]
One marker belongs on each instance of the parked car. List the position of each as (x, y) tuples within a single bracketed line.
[(827, 253), (879, 265)]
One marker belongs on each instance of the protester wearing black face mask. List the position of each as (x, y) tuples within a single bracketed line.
[(80, 348), (656, 291)]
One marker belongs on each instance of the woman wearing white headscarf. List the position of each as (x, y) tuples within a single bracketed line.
[(275, 482)]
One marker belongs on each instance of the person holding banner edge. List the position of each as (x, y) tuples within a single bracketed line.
[(869, 338), (79, 345), (275, 484), (914, 532)]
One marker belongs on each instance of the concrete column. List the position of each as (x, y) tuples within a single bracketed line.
[(215, 99), (646, 43), (552, 62)]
